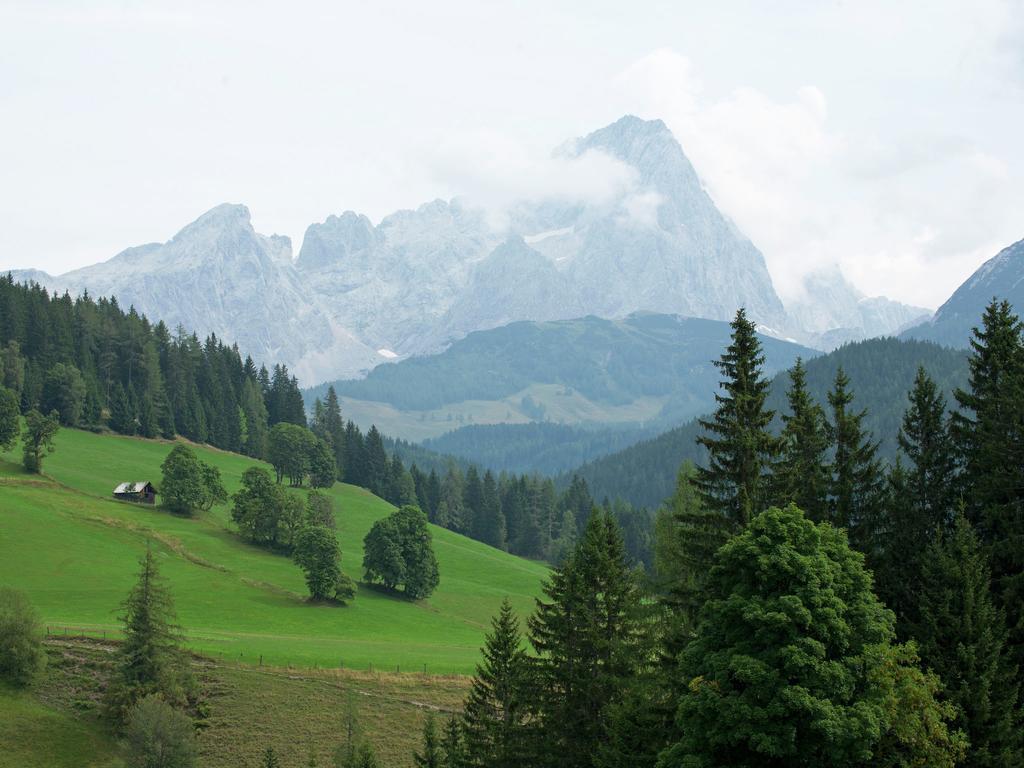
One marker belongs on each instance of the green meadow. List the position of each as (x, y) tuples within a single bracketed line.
[(74, 550)]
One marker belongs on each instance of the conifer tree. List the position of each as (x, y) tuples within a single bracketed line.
[(857, 489), (927, 444), (920, 499), (588, 637), (432, 755), (122, 415), (149, 659), (376, 462), (496, 710), (688, 536), (989, 431), (962, 636), (9, 418), (452, 744), (489, 523), (800, 475), (270, 759), (335, 428), (737, 437)]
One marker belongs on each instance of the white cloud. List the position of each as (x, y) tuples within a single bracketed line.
[(903, 215), (493, 171)]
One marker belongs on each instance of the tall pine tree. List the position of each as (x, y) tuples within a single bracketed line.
[(989, 430), (857, 487), (740, 446), (921, 498), (588, 633), (800, 475), (962, 636), (495, 719)]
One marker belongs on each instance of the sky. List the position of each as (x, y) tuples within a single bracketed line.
[(884, 137)]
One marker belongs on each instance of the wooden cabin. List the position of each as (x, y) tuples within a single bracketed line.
[(141, 492)]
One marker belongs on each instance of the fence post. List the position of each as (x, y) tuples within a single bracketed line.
[(261, 659)]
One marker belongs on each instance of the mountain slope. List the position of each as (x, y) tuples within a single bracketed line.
[(833, 312), (359, 294), (881, 373), (646, 367), (1001, 277), (218, 275), (74, 550)]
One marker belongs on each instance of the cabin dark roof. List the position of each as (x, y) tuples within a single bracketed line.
[(136, 487)]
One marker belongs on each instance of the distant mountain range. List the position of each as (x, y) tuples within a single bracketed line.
[(645, 370), (359, 295), (1000, 277)]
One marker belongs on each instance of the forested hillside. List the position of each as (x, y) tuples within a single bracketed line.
[(99, 367), (644, 369), (881, 373), (536, 446)]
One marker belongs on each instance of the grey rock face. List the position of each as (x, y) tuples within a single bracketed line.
[(833, 312), (359, 294), (1001, 277), (424, 278), (218, 275)]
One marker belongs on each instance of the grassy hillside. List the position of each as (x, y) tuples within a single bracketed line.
[(74, 551), (56, 725)]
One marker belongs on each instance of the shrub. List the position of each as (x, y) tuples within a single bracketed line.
[(21, 650), (159, 736)]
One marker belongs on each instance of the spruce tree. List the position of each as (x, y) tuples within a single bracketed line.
[(962, 636), (989, 431), (488, 521), (688, 535), (588, 634), (335, 428), (452, 746), (737, 437), (800, 475), (432, 755), (925, 440), (376, 463), (149, 661), (270, 759), (857, 483), (920, 499), (496, 710), (122, 415)]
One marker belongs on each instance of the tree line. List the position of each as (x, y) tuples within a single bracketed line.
[(88, 363), (97, 365), (809, 605)]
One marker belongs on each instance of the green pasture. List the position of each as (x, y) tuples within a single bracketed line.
[(74, 550)]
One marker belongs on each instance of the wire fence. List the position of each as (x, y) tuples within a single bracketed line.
[(253, 660)]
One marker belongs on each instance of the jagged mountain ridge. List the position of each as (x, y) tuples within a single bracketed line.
[(218, 275), (833, 312), (358, 294), (1000, 277)]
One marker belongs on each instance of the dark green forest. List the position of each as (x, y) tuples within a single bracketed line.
[(809, 605), (881, 373), (537, 446), (607, 361)]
